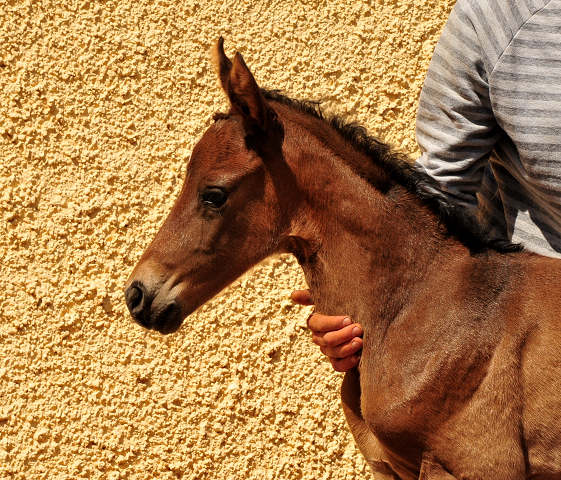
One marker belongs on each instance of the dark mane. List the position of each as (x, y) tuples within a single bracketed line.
[(458, 221)]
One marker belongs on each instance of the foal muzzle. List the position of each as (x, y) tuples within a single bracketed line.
[(152, 308)]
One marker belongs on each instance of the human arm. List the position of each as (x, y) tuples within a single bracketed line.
[(456, 124)]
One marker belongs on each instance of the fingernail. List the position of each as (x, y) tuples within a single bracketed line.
[(357, 331), (354, 358), (354, 344), (347, 322)]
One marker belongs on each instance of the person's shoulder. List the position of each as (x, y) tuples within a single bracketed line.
[(491, 24), (519, 10)]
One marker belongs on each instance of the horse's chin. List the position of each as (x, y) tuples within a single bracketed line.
[(168, 328), (172, 318)]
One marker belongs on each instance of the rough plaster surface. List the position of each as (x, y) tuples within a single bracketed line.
[(101, 103)]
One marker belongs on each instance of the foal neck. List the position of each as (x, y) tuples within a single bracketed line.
[(362, 244)]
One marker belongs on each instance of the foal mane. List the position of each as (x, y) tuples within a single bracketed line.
[(459, 222)]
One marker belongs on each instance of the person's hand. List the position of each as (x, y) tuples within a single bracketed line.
[(338, 338)]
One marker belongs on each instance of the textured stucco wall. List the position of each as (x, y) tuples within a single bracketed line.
[(100, 104)]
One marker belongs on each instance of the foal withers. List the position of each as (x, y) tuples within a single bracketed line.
[(460, 375)]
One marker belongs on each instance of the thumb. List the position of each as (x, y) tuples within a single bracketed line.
[(302, 297)]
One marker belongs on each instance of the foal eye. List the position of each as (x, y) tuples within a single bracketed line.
[(214, 197)]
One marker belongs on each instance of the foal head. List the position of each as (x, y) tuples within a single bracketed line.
[(227, 217)]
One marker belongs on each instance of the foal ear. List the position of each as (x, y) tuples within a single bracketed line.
[(223, 64), (245, 95), (242, 89)]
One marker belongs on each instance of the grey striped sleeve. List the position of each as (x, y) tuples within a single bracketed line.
[(489, 117), (456, 126)]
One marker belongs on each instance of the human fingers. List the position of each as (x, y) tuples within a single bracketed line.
[(344, 350), (344, 364), (327, 323), (337, 338), (302, 297)]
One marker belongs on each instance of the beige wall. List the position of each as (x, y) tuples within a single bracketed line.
[(100, 104)]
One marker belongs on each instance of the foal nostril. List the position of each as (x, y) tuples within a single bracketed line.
[(139, 304), (134, 297)]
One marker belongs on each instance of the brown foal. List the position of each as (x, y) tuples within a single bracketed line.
[(460, 376)]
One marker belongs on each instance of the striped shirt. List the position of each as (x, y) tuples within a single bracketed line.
[(489, 118)]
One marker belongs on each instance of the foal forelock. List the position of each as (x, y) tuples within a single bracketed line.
[(219, 124), (219, 119)]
